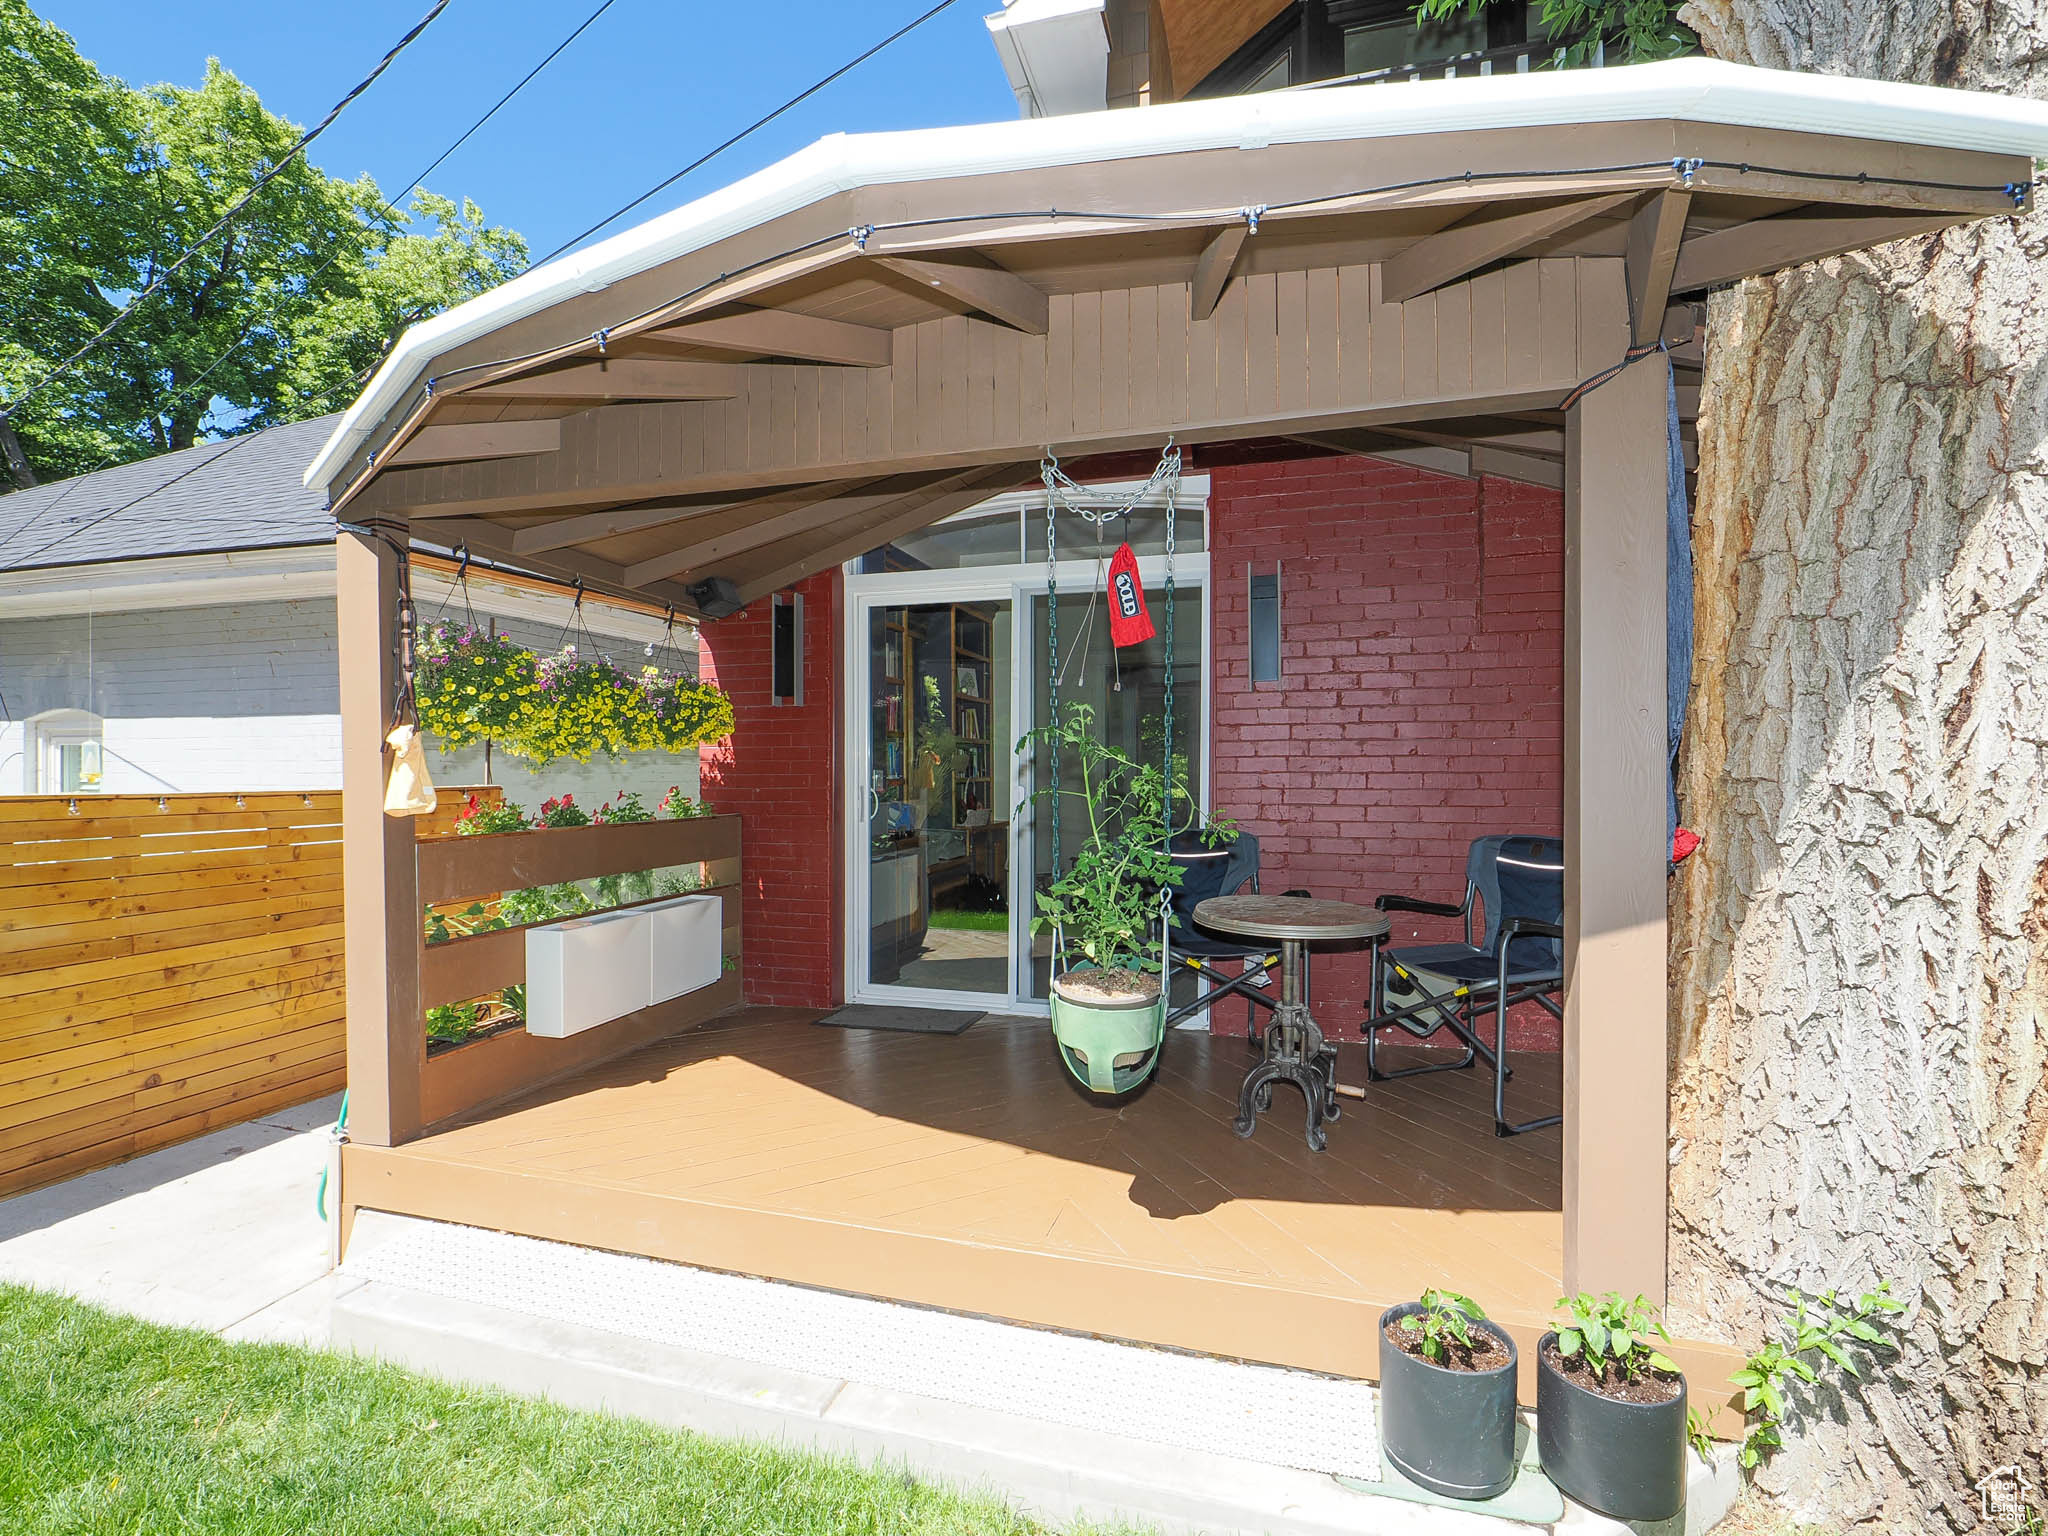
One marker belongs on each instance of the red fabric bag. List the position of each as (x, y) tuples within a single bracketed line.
[(1129, 622)]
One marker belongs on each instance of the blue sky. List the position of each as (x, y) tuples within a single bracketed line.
[(648, 88)]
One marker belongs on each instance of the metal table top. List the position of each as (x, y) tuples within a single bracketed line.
[(1290, 917)]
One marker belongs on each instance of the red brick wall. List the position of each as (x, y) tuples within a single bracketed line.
[(1408, 722), (779, 772)]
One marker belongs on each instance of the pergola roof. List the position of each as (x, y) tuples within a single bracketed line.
[(885, 327)]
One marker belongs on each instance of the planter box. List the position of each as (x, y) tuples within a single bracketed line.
[(586, 972), (1453, 1432), (1626, 1460), (686, 948)]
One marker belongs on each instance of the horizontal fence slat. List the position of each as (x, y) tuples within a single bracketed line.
[(452, 868), (167, 965)]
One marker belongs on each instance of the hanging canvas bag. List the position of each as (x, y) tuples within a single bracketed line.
[(1129, 623), (411, 790)]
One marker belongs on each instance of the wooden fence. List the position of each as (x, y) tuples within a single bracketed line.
[(167, 966)]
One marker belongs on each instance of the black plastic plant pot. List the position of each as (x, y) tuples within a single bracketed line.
[(1451, 1431), (1625, 1460)]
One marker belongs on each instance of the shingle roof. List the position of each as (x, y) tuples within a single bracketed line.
[(244, 493)]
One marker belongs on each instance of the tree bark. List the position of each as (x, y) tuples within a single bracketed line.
[(1860, 947)]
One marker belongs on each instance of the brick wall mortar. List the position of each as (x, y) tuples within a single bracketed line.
[(1421, 701)]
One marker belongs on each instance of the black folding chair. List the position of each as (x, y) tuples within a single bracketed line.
[(1518, 882), (1206, 872)]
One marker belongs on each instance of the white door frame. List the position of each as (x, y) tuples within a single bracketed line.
[(1017, 585)]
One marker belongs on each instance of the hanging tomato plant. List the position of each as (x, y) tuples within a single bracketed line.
[(471, 686)]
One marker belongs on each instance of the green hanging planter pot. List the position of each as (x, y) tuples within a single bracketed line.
[(1109, 1047)]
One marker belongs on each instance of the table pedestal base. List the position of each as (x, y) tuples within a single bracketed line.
[(1295, 1053)]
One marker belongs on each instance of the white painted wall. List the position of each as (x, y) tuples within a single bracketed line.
[(244, 696)]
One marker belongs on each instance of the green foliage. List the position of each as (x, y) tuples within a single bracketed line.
[(451, 1021), (1636, 31), (1105, 902), (1612, 1334), (481, 820), (678, 806), (470, 686), (116, 1426), (1822, 1325), (103, 184), (1446, 1318)]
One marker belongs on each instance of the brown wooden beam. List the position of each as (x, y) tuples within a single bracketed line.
[(752, 524), (478, 440), (1214, 269), (782, 566), (1508, 464), (1654, 236), (1616, 1150), (387, 1045), (1463, 249), (988, 290), (619, 378), (566, 532), (1789, 239), (784, 333), (495, 541)]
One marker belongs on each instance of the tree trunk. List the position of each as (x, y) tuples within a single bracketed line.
[(1860, 947)]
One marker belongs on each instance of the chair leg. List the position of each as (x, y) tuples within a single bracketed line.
[(1457, 1014), (1502, 1126)]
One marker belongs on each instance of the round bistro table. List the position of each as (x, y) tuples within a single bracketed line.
[(1295, 1050)]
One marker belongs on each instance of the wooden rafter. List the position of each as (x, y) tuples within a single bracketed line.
[(1765, 245), (784, 333), (752, 524), (778, 566), (490, 539), (1214, 269), (989, 290), (588, 527), (621, 378), (1654, 237), (478, 440), (1442, 258)]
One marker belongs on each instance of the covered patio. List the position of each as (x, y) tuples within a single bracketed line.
[(1487, 276)]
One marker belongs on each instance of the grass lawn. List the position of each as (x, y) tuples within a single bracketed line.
[(113, 1426), (984, 922)]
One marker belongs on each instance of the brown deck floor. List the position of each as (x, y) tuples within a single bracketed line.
[(966, 1172)]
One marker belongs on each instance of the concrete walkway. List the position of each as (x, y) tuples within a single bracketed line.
[(218, 1233)]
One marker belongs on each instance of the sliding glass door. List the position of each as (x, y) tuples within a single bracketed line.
[(937, 716)]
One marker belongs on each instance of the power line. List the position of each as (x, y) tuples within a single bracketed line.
[(297, 149), (318, 272), (758, 123)]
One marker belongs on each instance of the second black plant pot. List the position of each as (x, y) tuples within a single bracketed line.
[(1626, 1460), (1451, 1431)]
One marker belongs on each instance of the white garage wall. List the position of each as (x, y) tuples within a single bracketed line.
[(244, 696)]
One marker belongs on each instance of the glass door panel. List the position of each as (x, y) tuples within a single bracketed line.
[(1127, 691), (938, 702)]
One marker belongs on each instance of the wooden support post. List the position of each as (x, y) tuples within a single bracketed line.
[(1615, 1116), (380, 883)]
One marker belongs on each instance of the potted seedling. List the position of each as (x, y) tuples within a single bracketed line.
[(1108, 1004), (1610, 1409), (1447, 1396)]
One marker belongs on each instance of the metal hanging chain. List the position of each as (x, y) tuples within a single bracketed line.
[(1052, 654), (404, 707), (1172, 498)]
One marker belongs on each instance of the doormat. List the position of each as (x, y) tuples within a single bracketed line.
[(1532, 1499), (911, 1021)]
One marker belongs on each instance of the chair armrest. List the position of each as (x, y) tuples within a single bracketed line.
[(1520, 925), (1411, 904)]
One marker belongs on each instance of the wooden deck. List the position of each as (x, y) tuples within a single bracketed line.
[(965, 1172)]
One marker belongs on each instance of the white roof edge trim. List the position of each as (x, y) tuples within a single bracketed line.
[(1694, 89)]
